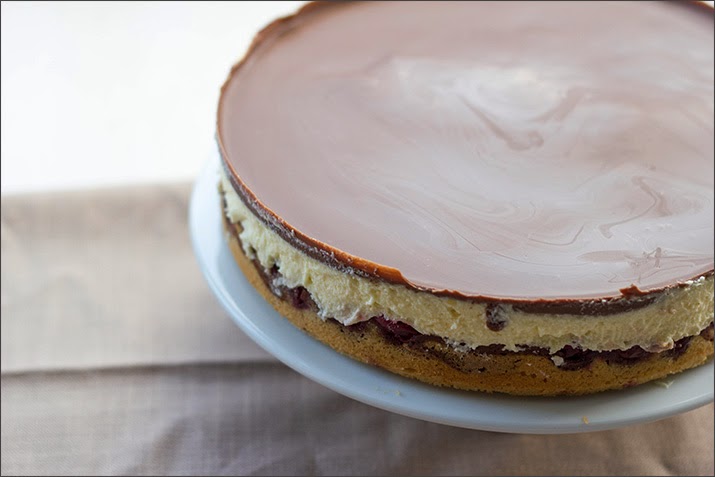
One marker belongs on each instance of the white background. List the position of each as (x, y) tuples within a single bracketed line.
[(114, 93)]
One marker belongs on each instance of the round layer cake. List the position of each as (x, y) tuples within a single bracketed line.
[(506, 197)]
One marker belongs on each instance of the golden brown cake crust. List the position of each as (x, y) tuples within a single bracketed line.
[(518, 374)]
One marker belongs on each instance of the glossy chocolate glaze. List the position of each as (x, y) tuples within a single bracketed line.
[(547, 155)]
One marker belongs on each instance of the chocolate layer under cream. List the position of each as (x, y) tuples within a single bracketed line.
[(552, 157)]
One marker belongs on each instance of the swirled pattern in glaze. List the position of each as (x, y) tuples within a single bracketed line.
[(536, 150)]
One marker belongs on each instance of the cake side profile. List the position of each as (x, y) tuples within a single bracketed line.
[(476, 213), (293, 282)]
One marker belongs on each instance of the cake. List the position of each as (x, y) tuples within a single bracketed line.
[(510, 197)]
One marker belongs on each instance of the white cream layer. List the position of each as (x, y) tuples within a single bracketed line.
[(680, 312)]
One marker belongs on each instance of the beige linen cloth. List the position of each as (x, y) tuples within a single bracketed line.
[(117, 359)]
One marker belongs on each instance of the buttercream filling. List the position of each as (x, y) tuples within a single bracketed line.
[(678, 313), (402, 334)]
